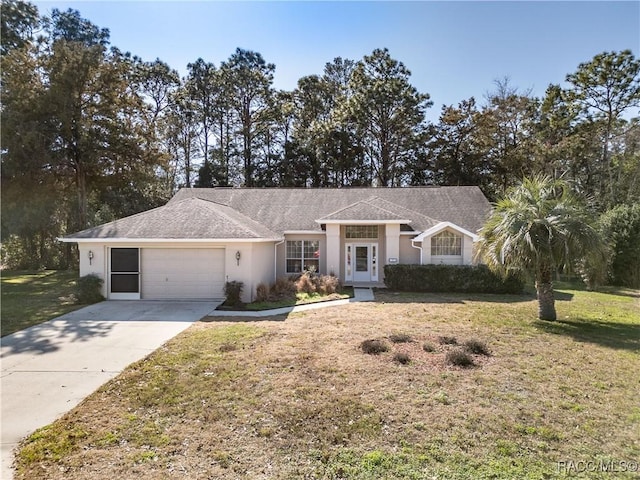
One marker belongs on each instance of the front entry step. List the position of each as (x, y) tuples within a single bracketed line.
[(363, 294)]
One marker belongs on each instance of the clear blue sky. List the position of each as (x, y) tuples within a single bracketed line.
[(454, 50)]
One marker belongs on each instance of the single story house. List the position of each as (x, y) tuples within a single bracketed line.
[(203, 237)]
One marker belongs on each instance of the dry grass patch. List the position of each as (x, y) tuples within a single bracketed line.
[(299, 399)]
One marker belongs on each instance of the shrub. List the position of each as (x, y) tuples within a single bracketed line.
[(402, 358), (89, 289), (476, 347), (400, 338), (307, 283), (449, 278), (427, 347), (329, 284), (262, 292), (233, 292), (459, 358), (374, 347), (283, 288), (445, 340)]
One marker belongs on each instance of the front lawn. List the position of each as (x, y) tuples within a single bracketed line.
[(30, 298), (299, 398)]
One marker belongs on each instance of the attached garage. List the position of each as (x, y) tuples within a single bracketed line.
[(182, 273)]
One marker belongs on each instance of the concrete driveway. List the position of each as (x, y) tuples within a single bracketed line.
[(49, 368)]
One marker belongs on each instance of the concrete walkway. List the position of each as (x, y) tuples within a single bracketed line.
[(49, 368), (359, 295)]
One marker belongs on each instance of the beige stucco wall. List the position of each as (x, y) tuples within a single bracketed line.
[(263, 256), (256, 265), (97, 265), (408, 254)]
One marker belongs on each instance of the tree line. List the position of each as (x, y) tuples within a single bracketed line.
[(91, 133)]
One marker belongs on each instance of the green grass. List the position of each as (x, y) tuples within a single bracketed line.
[(30, 298), (299, 398)]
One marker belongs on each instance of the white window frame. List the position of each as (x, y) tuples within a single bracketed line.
[(303, 260), (444, 243), (355, 232)]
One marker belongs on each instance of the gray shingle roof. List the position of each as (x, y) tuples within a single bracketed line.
[(282, 209), (269, 212), (187, 218)]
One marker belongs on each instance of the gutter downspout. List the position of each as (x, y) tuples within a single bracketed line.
[(275, 259), (419, 248)]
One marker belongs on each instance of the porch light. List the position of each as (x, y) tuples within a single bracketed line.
[(90, 255), (238, 257)]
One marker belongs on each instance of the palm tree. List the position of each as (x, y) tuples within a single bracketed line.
[(537, 228)]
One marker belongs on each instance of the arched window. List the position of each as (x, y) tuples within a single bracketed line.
[(446, 243)]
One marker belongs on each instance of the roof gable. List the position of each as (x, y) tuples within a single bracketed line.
[(441, 227), (364, 210)]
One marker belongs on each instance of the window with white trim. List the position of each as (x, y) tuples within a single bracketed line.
[(302, 255), (446, 243), (361, 231)]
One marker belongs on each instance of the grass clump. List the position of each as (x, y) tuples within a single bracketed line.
[(374, 347), (428, 347), (402, 358), (477, 347), (459, 358), (400, 338), (446, 340)]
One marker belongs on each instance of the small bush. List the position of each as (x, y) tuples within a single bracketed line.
[(307, 283), (476, 347), (400, 338), (262, 292), (89, 289), (402, 358), (445, 340), (233, 292), (283, 288), (459, 358), (374, 347), (329, 284), (427, 347)]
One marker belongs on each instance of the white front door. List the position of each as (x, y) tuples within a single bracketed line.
[(361, 262)]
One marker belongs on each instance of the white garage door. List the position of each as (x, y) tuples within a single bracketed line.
[(182, 273)]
